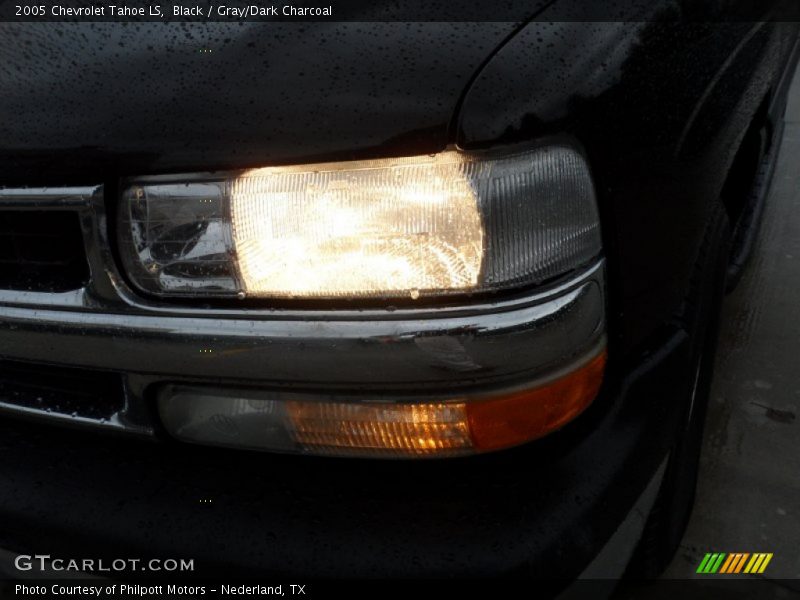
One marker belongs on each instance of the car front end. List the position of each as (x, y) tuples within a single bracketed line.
[(417, 311)]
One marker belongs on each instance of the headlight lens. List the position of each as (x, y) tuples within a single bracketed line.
[(363, 231), (406, 227)]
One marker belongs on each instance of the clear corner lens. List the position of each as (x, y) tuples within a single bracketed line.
[(176, 238), (540, 217), (420, 226)]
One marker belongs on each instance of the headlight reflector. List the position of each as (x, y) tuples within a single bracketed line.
[(359, 232), (389, 228)]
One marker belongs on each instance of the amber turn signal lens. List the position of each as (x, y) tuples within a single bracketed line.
[(349, 427), (505, 421), (445, 428), (399, 429)]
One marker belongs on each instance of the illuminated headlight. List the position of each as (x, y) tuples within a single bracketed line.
[(392, 228)]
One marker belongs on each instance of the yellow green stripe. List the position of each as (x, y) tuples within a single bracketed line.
[(765, 563), (752, 563)]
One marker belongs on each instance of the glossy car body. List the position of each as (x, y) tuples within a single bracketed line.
[(660, 106)]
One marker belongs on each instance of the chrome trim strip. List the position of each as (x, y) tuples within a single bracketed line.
[(118, 423), (67, 198), (450, 350), (71, 299)]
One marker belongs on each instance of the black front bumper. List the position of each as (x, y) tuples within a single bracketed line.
[(542, 510)]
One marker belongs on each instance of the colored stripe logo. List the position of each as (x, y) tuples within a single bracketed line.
[(733, 563)]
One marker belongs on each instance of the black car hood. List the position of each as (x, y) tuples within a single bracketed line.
[(82, 100)]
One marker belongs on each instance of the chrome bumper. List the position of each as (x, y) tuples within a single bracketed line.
[(106, 326)]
